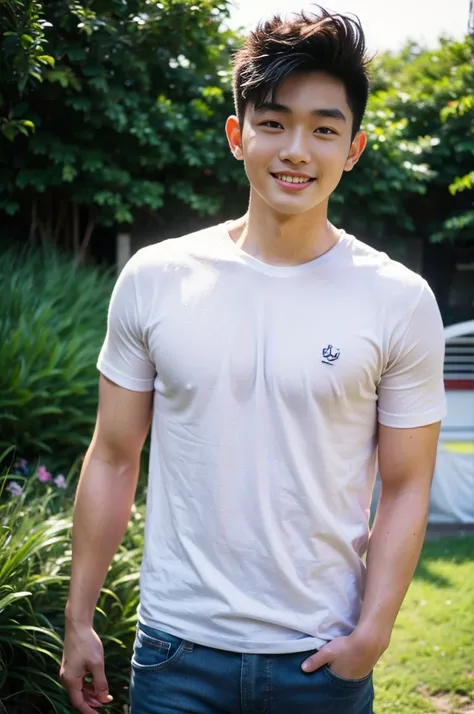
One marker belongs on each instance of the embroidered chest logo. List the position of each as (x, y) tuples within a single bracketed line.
[(330, 355)]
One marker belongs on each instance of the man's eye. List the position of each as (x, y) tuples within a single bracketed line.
[(325, 130), (272, 124)]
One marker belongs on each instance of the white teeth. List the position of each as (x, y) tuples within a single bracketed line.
[(292, 179)]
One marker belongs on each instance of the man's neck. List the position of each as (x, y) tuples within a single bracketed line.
[(283, 240)]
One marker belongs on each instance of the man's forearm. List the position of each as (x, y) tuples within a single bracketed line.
[(103, 503), (394, 550)]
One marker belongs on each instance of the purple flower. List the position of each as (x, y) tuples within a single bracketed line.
[(21, 467), (60, 481), (43, 474), (14, 488)]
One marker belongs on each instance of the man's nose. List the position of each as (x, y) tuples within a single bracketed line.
[(295, 149)]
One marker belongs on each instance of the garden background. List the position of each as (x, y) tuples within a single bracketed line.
[(111, 122)]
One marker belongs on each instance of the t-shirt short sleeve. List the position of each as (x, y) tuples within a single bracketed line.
[(411, 391), (124, 358)]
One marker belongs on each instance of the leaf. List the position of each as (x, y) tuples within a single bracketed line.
[(462, 183), (9, 599), (46, 59), (34, 646), (69, 173), (9, 132), (43, 411), (35, 74), (26, 40)]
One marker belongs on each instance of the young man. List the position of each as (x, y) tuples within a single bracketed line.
[(279, 360)]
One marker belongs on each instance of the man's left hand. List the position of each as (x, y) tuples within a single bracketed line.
[(352, 657)]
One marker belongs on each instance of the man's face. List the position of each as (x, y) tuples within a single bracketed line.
[(296, 150)]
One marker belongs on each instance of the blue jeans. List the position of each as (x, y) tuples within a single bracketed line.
[(173, 676)]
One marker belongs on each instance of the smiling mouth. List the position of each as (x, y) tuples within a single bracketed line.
[(293, 179)]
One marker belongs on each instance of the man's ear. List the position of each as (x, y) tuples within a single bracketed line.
[(357, 147), (234, 137)]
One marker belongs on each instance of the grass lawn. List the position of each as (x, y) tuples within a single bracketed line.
[(430, 664)]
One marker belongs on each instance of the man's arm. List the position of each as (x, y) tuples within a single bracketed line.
[(106, 492), (104, 499), (406, 461), (411, 404)]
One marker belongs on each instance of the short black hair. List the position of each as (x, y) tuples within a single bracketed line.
[(324, 42)]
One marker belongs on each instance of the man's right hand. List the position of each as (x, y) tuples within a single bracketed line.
[(83, 656)]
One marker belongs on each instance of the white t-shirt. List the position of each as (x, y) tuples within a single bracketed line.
[(268, 384)]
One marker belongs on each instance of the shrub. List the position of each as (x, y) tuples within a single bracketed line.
[(37, 482), (35, 558), (52, 326), (30, 646)]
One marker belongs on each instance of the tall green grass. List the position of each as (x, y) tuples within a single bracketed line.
[(35, 560), (53, 321)]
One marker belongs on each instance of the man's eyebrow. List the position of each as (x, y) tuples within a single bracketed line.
[(328, 113), (272, 107)]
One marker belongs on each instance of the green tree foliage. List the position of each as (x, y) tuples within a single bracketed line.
[(24, 62), (372, 200), (111, 108), (129, 115), (459, 115), (431, 91)]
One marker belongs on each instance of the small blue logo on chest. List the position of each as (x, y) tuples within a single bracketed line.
[(330, 355)]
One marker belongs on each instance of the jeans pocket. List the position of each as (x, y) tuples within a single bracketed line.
[(154, 650), (342, 681)]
